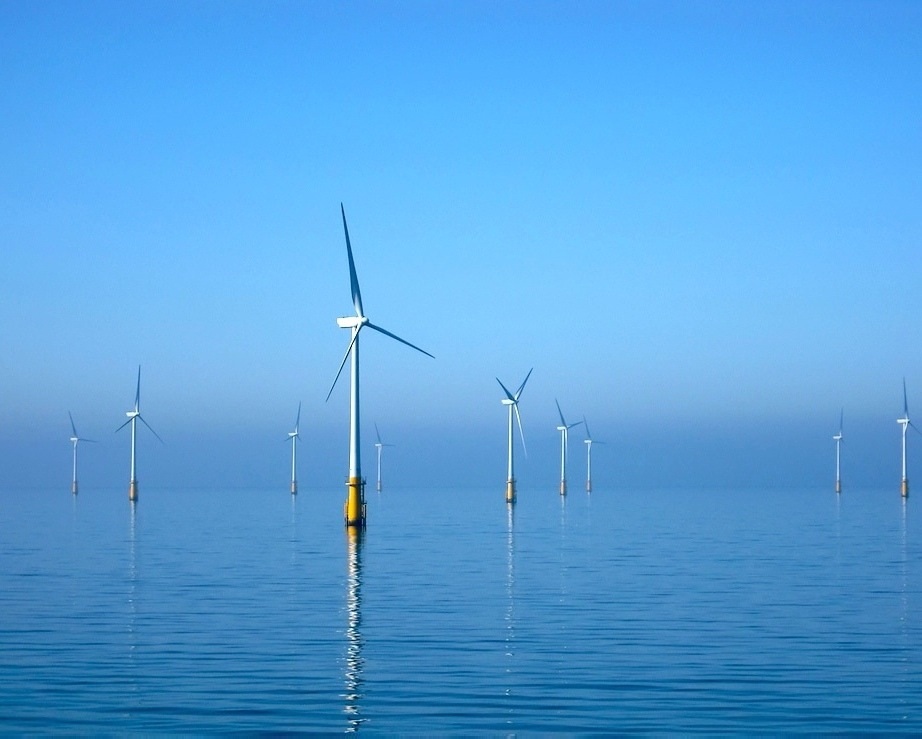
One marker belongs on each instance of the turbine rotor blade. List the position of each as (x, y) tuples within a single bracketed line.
[(141, 418), (905, 402), (522, 386), (355, 337), (586, 426), (137, 393), (122, 426), (353, 278), (394, 336), (518, 418), (72, 427), (298, 419), (505, 390), (378, 434)]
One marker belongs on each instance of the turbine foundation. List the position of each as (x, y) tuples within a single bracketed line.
[(133, 490), (354, 508), (838, 486), (510, 491), (588, 486), (904, 488), (379, 486), (73, 487), (563, 487), (294, 487)]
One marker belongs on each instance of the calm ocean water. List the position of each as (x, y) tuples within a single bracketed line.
[(630, 611)]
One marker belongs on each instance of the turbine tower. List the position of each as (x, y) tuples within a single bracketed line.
[(564, 429), (379, 445), (838, 440), (512, 401), (589, 441), (905, 423), (354, 509), (133, 417), (75, 439), (294, 436)]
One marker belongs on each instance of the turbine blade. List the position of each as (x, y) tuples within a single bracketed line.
[(505, 390), (122, 426), (377, 433), (353, 278), (521, 432), (573, 425), (72, 427), (343, 363), (905, 402), (562, 421), (841, 418), (137, 393), (394, 336), (141, 419), (522, 386), (911, 424), (298, 419)]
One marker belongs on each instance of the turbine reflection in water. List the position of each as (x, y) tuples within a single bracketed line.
[(354, 660), (510, 606)]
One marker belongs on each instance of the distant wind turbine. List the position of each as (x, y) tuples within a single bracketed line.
[(905, 423), (133, 417), (379, 445), (512, 400), (75, 439), (294, 436), (355, 485), (838, 440), (588, 441), (564, 429)]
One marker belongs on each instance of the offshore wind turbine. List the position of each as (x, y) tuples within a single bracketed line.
[(354, 509), (379, 445), (75, 439), (512, 401), (564, 429), (838, 440), (294, 436), (133, 417), (588, 441), (905, 423)]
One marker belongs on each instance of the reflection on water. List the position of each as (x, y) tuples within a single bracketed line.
[(354, 660), (510, 603)]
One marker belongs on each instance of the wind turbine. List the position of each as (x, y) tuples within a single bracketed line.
[(588, 441), (133, 417), (294, 436), (75, 439), (838, 440), (564, 429), (905, 423), (355, 485), (512, 400), (379, 445)]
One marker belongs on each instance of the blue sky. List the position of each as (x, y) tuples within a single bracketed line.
[(699, 222)]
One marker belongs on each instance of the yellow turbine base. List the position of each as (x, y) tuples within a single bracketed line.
[(510, 491), (904, 488), (133, 490), (354, 509)]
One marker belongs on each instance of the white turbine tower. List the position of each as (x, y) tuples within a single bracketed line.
[(564, 429), (355, 485), (905, 423), (379, 445), (588, 441), (512, 400), (294, 436), (133, 417), (75, 439), (838, 440)]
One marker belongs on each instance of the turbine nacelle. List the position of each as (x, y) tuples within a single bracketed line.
[(351, 321), (133, 414)]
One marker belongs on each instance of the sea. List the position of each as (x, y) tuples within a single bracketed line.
[(680, 611)]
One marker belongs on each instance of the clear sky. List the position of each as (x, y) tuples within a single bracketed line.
[(699, 222)]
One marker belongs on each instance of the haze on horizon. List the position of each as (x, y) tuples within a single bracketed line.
[(699, 222)]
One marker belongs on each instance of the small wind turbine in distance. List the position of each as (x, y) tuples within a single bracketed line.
[(75, 439), (379, 445), (133, 417), (838, 440), (905, 423), (512, 400), (564, 429), (294, 436), (589, 441), (355, 485)]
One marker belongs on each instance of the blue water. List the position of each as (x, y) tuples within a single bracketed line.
[(631, 611)]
